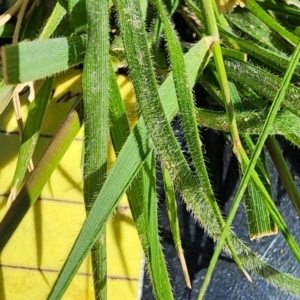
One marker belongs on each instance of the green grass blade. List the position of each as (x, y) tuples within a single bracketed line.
[(260, 222), (36, 114), (234, 54), (7, 30), (72, 3), (281, 8), (186, 103), (60, 10), (174, 223), (78, 16), (261, 140), (95, 83), (58, 13), (277, 60), (261, 163), (157, 264), (211, 28), (130, 18), (28, 61), (185, 97), (293, 138), (258, 217), (120, 128)]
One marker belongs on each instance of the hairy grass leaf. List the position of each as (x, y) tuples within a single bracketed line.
[(174, 222), (95, 83), (158, 271)]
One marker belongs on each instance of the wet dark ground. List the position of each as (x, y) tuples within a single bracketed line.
[(228, 282)]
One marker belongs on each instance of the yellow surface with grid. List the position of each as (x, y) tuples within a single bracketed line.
[(31, 260)]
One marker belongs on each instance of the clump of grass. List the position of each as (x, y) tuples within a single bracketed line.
[(232, 56)]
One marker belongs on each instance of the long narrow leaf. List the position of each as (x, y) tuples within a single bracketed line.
[(95, 83), (174, 223), (186, 103), (158, 271), (258, 217), (36, 113)]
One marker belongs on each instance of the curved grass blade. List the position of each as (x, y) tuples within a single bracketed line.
[(186, 102), (36, 114), (184, 95), (95, 83), (158, 127)]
